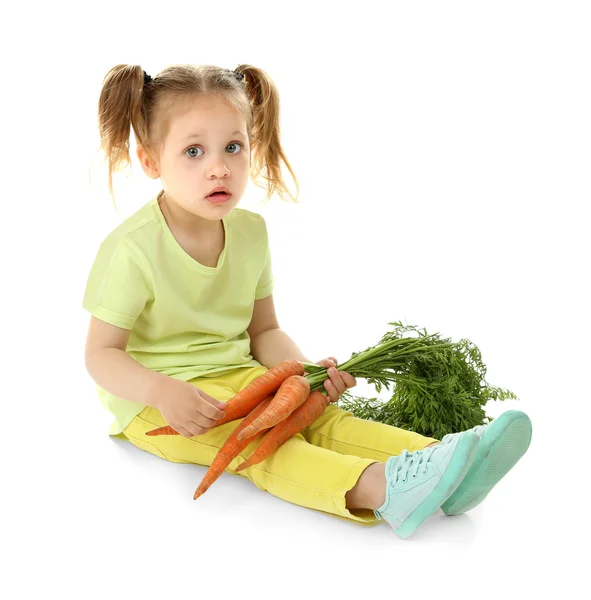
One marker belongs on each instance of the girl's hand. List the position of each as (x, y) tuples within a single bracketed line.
[(188, 409), (339, 380)]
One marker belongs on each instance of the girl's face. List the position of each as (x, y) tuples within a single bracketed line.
[(206, 146)]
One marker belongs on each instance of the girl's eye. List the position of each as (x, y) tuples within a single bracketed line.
[(235, 144), (191, 152)]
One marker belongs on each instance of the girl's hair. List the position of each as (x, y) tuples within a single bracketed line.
[(128, 99)]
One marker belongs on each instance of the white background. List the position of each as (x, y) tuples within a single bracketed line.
[(443, 153)]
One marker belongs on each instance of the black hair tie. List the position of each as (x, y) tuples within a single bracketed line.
[(147, 78)]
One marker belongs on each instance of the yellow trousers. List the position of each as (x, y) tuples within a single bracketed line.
[(315, 468)]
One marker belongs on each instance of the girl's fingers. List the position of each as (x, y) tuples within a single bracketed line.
[(203, 421), (339, 380), (184, 432), (330, 390), (349, 380), (331, 361)]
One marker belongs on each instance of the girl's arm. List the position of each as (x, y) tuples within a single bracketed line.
[(117, 372), (269, 344), (272, 346)]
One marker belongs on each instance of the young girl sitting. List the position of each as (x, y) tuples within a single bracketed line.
[(182, 313)]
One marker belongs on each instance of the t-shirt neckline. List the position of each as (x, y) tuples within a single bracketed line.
[(189, 260)]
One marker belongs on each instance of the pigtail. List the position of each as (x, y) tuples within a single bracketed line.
[(120, 107), (266, 143)]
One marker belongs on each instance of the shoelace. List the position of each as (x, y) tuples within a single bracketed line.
[(407, 460)]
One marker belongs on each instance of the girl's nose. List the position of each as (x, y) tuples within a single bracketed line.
[(217, 168)]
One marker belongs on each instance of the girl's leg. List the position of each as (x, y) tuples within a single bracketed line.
[(341, 431)]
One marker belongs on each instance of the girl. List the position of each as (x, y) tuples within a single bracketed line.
[(182, 313)]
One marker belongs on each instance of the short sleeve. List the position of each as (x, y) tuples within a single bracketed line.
[(117, 289), (266, 282)]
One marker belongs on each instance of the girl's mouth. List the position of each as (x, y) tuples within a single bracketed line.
[(218, 198)]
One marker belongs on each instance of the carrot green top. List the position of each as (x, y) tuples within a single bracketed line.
[(185, 319)]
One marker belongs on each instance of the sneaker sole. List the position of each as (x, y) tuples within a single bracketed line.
[(459, 465), (505, 441)]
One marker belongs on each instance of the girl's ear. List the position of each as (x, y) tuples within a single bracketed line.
[(149, 165)]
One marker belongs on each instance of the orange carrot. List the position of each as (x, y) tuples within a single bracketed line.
[(300, 418), (247, 399), (166, 430), (293, 393), (229, 451)]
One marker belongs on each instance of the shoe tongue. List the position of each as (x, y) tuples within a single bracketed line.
[(406, 458)]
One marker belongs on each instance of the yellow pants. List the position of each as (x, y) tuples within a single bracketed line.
[(315, 468)]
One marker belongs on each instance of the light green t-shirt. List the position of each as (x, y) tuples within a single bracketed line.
[(185, 319)]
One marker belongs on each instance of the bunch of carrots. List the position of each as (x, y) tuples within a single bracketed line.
[(278, 404), (438, 383)]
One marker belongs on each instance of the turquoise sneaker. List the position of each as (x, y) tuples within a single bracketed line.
[(435, 473), (501, 444)]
